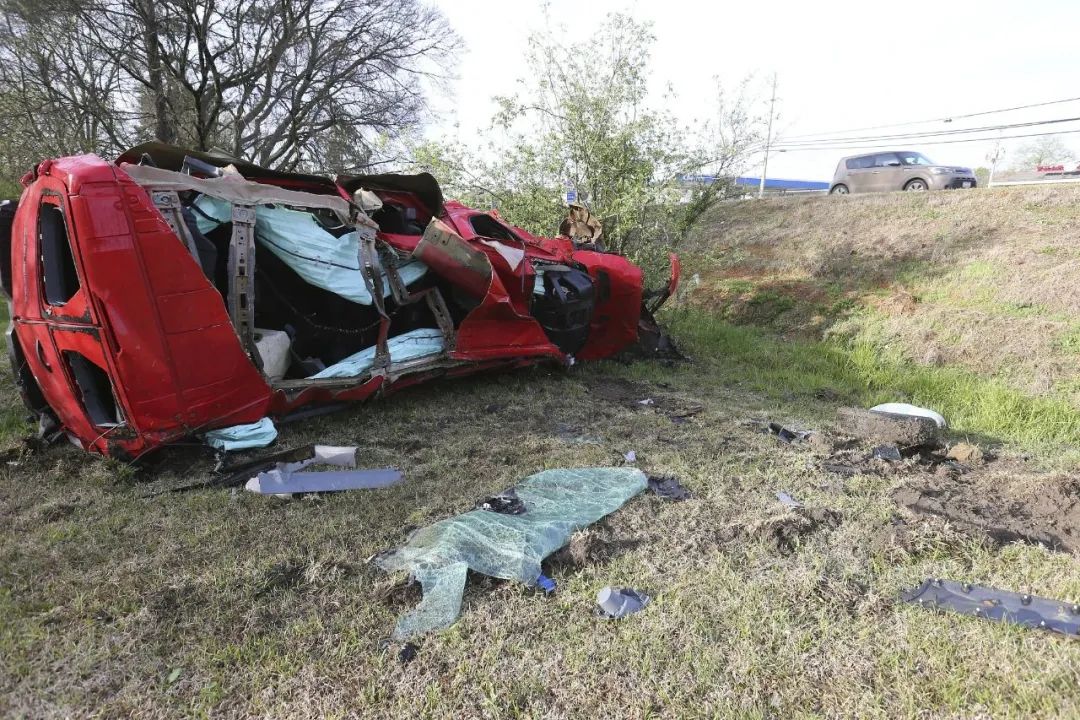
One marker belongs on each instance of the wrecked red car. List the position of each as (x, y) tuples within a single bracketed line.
[(171, 293)]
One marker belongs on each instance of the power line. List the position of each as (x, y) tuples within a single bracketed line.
[(989, 138), (949, 118), (929, 134)]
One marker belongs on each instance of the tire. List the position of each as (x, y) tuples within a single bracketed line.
[(917, 185), (839, 190)]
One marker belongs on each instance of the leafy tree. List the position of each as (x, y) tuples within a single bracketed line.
[(584, 118)]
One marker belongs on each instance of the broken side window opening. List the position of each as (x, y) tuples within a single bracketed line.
[(60, 278), (489, 227), (95, 390)]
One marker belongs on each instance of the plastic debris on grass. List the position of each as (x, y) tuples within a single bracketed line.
[(510, 547), (991, 603), (787, 501), (910, 411), (668, 486), (614, 603)]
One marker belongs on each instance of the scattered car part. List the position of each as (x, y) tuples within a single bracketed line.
[(787, 435), (507, 502), (291, 477), (510, 547), (407, 653), (910, 411), (238, 473), (991, 603), (787, 501), (546, 584), (888, 452), (616, 602), (668, 486), (274, 482)]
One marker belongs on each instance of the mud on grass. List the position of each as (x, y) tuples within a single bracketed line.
[(121, 600)]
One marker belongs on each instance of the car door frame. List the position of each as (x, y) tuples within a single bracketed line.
[(857, 178), (886, 178)]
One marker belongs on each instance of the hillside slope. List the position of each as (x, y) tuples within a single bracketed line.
[(986, 280)]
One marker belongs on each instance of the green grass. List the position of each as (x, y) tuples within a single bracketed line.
[(119, 601), (1069, 341), (866, 374)]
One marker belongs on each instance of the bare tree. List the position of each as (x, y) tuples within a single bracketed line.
[(1047, 150), (278, 82)]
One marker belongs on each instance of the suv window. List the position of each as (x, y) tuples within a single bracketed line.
[(886, 159), (57, 259), (860, 163)]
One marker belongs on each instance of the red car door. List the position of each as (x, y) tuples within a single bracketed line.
[(54, 322)]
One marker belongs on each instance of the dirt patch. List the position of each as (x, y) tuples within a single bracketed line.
[(617, 391), (785, 532), (644, 397), (597, 545), (899, 303), (1003, 505)]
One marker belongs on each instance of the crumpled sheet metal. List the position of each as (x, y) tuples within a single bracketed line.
[(234, 189), (511, 547), (1001, 605), (287, 478)]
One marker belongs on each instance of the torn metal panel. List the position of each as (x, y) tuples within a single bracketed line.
[(290, 477), (242, 279), (239, 191), (991, 603), (787, 500), (448, 255), (168, 204), (276, 482), (669, 487)]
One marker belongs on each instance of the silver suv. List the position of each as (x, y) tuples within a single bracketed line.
[(897, 170)]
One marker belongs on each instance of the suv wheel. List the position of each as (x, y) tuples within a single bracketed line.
[(839, 190), (916, 185)]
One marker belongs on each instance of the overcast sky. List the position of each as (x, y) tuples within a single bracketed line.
[(840, 65)]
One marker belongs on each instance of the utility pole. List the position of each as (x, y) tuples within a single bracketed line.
[(993, 157), (768, 140)]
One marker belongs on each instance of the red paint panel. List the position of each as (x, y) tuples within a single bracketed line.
[(615, 318), (184, 312)]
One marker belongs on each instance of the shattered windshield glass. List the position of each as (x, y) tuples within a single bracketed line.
[(507, 546)]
